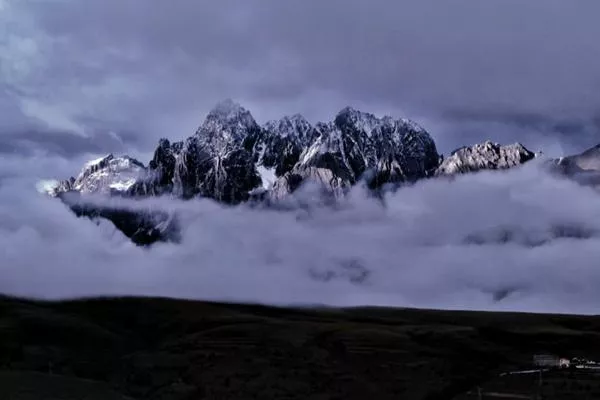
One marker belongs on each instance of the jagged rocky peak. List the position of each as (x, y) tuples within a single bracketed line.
[(349, 117), (165, 155), (111, 162), (277, 148), (161, 170), (584, 167), (231, 159), (294, 126), (107, 175), (487, 155), (360, 145), (216, 162), (226, 124), (227, 110), (587, 161), (370, 124), (358, 141)]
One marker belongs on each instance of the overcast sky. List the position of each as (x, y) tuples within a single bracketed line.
[(115, 75), (83, 77)]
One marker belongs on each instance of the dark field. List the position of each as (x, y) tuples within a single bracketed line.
[(556, 384), (170, 349)]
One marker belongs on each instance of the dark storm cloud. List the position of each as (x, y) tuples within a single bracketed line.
[(156, 68)]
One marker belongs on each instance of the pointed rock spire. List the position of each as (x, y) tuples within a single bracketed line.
[(228, 123)]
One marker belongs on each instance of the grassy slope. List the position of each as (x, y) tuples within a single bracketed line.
[(169, 349)]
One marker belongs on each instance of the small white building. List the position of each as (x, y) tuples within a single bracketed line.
[(546, 360), (550, 361)]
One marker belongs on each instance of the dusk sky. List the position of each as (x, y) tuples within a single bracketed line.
[(83, 78), (97, 76)]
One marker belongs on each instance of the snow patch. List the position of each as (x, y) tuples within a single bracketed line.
[(310, 152), (122, 186), (267, 175)]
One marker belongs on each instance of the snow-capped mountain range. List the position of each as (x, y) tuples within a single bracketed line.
[(232, 159)]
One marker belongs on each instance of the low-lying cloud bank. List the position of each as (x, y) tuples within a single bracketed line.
[(516, 240)]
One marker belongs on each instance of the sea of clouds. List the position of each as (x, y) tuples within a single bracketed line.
[(484, 241)]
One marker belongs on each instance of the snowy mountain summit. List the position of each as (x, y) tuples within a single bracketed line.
[(487, 155), (232, 159), (105, 175), (226, 125)]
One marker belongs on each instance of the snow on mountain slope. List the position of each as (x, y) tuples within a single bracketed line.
[(226, 126), (485, 155), (105, 175), (230, 156), (109, 174), (358, 144), (267, 176), (231, 159), (279, 145)]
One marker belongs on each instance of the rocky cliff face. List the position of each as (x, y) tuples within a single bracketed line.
[(230, 158), (278, 146), (359, 145), (143, 227), (215, 162), (487, 155), (161, 170)]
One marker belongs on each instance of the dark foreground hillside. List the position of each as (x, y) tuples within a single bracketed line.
[(169, 349)]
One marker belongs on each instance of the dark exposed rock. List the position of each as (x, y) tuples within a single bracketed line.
[(279, 145), (230, 178), (230, 155), (62, 187), (212, 163), (359, 145), (143, 227), (162, 166), (226, 126)]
